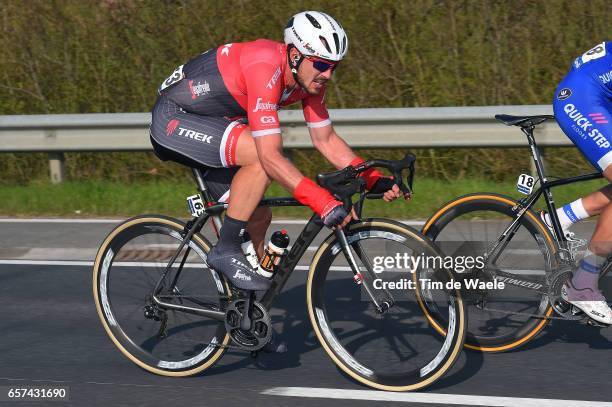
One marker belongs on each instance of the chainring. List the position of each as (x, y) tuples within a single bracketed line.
[(261, 326)]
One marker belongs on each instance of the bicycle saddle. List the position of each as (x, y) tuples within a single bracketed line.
[(523, 121)]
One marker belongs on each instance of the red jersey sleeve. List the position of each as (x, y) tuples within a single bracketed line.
[(263, 93), (315, 111)]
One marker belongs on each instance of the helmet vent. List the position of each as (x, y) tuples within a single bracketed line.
[(337, 43), (324, 41), (313, 21), (290, 22), (343, 44)]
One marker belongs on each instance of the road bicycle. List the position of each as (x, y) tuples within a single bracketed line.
[(171, 314), (517, 249)]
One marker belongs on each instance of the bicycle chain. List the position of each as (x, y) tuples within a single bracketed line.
[(527, 314)]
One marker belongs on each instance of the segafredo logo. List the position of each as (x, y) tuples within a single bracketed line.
[(584, 126), (264, 106), (192, 134)]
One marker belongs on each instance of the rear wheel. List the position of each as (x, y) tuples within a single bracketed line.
[(500, 319), (128, 266)]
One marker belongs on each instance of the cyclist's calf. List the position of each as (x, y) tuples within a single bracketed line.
[(257, 227)]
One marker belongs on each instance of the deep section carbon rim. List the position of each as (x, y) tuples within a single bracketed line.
[(397, 350), (128, 267), (500, 319)]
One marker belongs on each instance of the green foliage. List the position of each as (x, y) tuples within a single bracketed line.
[(105, 198), (69, 56)]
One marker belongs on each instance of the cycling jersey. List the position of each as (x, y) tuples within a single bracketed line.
[(583, 104), (242, 80), (205, 104)]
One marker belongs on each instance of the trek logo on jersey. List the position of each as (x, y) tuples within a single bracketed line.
[(268, 119), (260, 106), (274, 78), (606, 77), (192, 134), (172, 125), (564, 93), (584, 126), (199, 89)]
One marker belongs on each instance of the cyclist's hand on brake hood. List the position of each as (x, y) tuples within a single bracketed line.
[(377, 183), (390, 191), (331, 211)]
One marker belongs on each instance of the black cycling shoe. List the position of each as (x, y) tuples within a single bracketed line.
[(236, 268), (275, 345)]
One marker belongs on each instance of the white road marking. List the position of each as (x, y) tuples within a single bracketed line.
[(42, 262), (428, 398), (77, 220), (126, 264), (59, 220)]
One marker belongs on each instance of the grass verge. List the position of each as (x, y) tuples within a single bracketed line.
[(108, 199)]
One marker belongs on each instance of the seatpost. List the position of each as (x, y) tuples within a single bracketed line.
[(535, 153), (550, 202), (208, 199)]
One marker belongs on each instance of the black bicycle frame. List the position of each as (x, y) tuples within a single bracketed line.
[(306, 237), (545, 184), (212, 210), (527, 203)]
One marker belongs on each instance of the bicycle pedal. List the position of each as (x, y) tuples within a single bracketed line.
[(596, 324)]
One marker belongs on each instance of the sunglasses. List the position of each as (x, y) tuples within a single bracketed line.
[(322, 65)]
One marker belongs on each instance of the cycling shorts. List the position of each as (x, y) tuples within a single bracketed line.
[(204, 142), (195, 139)]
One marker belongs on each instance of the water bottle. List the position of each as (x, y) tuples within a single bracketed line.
[(273, 253)]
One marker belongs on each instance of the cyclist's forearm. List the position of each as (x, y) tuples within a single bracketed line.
[(281, 170), (334, 149)]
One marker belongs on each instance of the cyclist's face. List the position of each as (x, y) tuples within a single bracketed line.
[(312, 79)]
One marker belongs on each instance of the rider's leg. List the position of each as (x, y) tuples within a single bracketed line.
[(257, 227), (250, 182), (583, 290), (583, 208), (247, 189), (595, 202)]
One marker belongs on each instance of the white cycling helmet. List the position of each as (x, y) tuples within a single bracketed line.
[(317, 34)]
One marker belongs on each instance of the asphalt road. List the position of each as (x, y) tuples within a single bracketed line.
[(51, 336)]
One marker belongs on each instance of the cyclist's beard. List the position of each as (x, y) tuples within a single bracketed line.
[(310, 91)]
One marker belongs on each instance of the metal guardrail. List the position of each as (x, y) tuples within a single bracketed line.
[(430, 127)]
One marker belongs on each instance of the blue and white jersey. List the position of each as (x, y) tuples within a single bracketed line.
[(583, 104), (597, 63)]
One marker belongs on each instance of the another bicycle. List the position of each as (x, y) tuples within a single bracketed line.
[(172, 315), (517, 249)]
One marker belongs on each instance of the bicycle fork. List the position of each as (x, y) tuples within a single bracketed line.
[(382, 306)]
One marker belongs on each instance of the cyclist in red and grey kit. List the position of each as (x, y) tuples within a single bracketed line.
[(219, 110)]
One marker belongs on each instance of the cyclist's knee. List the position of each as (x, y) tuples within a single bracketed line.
[(246, 151), (601, 242), (607, 173)]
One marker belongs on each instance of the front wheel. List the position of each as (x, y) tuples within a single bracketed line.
[(472, 225), (393, 348), (128, 268)]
